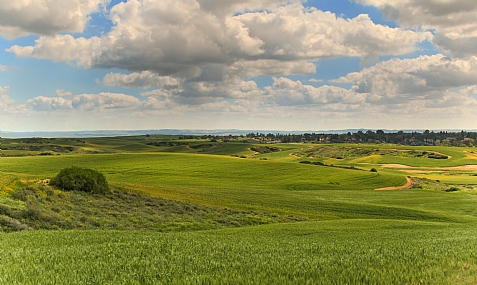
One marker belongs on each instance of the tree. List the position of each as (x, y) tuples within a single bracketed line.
[(81, 179)]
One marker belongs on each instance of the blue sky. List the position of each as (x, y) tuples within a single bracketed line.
[(209, 64)]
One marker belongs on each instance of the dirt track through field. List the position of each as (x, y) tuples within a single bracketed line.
[(463, 167), (408, 185), (395, 166), (402, 166), (422, 171)]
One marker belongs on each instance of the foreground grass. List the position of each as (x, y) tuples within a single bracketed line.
[(338, 252)]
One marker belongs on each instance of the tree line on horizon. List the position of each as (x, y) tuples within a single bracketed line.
[(426, 138), (442, 138)]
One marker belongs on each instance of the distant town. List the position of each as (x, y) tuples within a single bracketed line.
[(425, 138)]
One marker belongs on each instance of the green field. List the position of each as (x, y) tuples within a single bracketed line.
[(198, 211), (338, 252)]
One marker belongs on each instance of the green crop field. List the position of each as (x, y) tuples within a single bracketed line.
[(338, 252), (201, 211)]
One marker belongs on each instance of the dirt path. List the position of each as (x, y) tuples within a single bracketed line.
[(393, 165), (463, 167), (428, 168), (408, 185), (422, 171)]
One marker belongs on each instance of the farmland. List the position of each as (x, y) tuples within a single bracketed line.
[(202, 211)]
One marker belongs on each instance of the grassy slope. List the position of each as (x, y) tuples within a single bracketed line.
[(458, 156), (204, 170), (376, 237), (279, 184), (33, 208), (282, 187)]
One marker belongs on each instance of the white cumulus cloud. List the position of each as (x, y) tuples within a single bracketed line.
[(5, 99), (425, 77), (45, 17), (286, 92), (83, 102), (453, 21), (192, 39), (42, 103), (7, 104), (144, 79), (206, 92)]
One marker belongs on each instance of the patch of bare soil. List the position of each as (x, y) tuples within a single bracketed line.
[(41, 181), (471, 155), (430, 169), (408, 185), (421, 171), (395, 166), (463, 167)]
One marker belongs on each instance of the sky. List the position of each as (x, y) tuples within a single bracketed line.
[(71, 65)]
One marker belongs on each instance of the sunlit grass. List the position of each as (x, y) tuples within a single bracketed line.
[(338, 252)]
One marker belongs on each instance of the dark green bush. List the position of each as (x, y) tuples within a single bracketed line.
[(374, 170), (81, 179), (452, 189), (265, 149)]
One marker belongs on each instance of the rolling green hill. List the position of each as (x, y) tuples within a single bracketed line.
[(298, 223)]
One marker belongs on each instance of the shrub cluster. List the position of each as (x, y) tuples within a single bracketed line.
[(452, 189), (314, 162), (118, 210), (265, 149), (81, 179)]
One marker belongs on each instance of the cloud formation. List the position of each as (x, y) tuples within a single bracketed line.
[(45, 17), (426, 77), (7, 104), (206, 92), (453, 21), (285, 101), (242, 60), (83, 102), (5, 99), (286, 92), (144, 79), (188, 39)]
